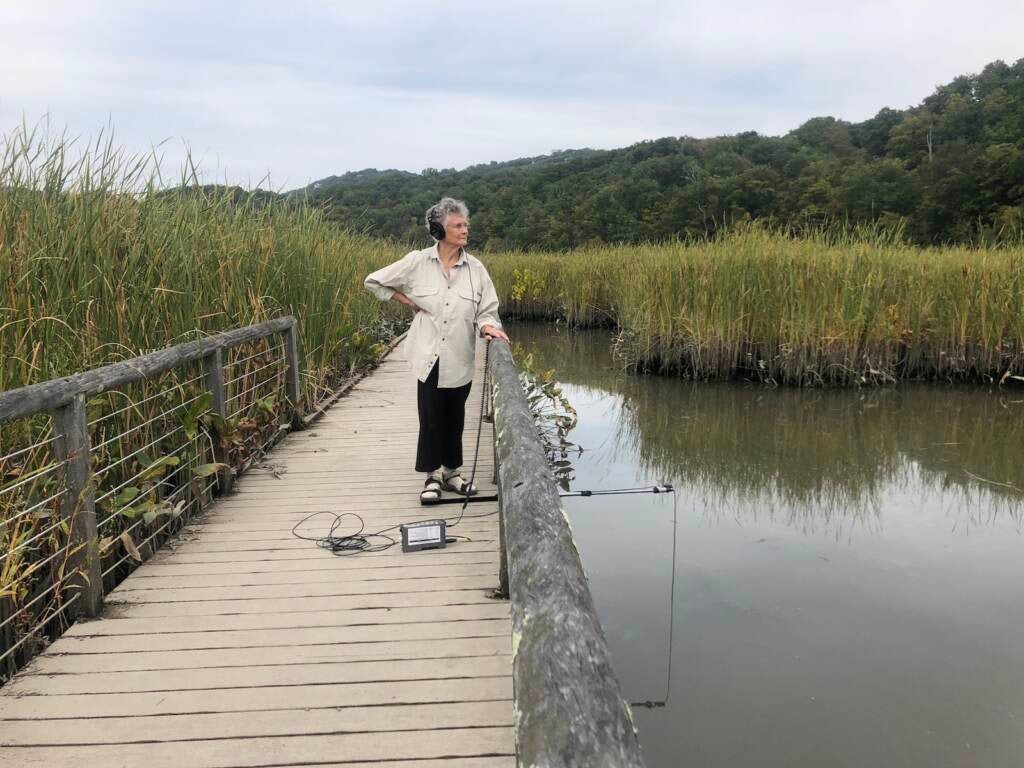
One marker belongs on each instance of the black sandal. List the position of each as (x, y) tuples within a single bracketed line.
[(456, 483), (431, 493)]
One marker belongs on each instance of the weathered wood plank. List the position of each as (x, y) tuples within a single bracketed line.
[(305, 577), (298, 554), (332, 588), (427, 558), (277, 750), (238, 725), (292, 636), (71, 663), (269, 675), (390, 600), (357, 617), (253, 699), (277, 537)]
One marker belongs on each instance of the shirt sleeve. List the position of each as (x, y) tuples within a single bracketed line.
[(487, 314), (385, 280)]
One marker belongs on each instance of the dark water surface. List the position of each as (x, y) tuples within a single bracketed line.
[(849, 565)]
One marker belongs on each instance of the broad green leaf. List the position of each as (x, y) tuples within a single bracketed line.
[(205, 470), (158, 466), (126, 496)]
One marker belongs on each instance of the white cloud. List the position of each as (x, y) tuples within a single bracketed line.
[(308, 89)]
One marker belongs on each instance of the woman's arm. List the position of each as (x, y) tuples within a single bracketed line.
[(385, 281), (401, 298), (487, 319)]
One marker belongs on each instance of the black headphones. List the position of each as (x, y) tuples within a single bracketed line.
[(437, 230)]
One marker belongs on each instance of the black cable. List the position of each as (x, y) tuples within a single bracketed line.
[(350, 544), (651, 704), (479, 428)]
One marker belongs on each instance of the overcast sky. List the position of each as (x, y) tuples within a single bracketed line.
[(301, 90)]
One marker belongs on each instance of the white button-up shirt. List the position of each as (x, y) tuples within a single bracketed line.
[(454, 308)]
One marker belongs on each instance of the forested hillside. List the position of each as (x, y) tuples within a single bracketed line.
[(948, 170)]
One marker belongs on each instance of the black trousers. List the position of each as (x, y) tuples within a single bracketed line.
[(442, 418)]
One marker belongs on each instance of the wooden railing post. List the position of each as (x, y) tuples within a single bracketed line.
[(78, 508), (213, 380), (293, 386)]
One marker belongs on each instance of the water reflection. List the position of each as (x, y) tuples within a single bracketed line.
[(814, 459), (843, 567)]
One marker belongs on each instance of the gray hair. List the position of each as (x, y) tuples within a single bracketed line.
[(446, 206)]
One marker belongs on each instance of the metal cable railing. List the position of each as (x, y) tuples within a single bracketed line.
[(121, 458)]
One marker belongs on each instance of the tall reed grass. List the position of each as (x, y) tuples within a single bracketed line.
[(758, 304), (100, 262), (102, 259)]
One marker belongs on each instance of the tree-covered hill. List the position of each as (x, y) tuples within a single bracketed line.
[(950, 170)]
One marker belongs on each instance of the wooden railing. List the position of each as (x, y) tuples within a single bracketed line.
[(569, 708), (93, 477)]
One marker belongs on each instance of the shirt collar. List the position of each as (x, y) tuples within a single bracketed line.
[(435, 253)]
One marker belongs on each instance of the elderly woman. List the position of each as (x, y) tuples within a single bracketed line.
[(453, 298)]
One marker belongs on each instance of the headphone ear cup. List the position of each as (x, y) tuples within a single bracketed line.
[(437, 230)]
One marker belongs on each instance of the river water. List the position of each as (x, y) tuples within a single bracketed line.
[(848, 571)]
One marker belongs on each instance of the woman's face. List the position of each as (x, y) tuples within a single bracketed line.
[(456, 230)]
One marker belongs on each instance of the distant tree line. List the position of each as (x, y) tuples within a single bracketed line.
[(948, 170)]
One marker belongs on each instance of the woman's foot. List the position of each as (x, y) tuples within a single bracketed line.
[(431, 493), (454, 481)]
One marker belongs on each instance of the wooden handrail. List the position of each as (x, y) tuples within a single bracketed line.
[(57, 393), (569, 707)]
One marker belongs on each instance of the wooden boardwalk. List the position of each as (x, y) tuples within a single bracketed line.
[(241, 645)]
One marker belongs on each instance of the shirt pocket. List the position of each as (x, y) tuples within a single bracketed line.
[(469, 300), (425, 297)]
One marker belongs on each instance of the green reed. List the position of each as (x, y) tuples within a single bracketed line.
[(102, 258), (826, 309), (100, 263)]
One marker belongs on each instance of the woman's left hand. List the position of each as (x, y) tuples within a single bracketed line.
[(490, 332)]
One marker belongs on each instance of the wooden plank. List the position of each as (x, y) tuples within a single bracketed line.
[(358, 617), (333, 588), (299, 554), (285, 515), (328, 562), (253, 699), (305, 577), (275, 750), (293, 636), (71, 663), (237, 725), (280, 537), (270, 675), (149, 609)]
